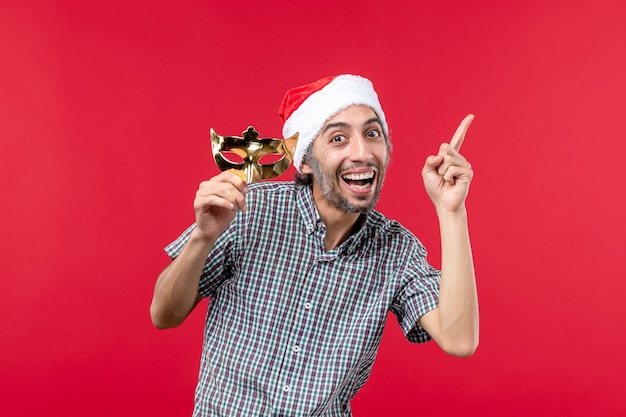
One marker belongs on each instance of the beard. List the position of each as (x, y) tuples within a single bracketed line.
[(332, 193)]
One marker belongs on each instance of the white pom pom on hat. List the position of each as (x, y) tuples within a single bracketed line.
[(307, 108)]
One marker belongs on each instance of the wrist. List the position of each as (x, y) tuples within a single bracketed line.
[(444, 213), (199, 236)]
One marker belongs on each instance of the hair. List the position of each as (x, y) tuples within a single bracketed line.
[(300, 177)]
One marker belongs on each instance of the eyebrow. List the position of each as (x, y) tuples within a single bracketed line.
[(344, 124)]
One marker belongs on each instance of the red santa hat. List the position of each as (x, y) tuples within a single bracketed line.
[(306, 109)]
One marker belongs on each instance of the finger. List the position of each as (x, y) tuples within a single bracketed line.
[(209, 202), (459, 135), (432, 162), (455, 173), (238, 172), (234, 197), (223, 190), (236, 177), (451, 158)]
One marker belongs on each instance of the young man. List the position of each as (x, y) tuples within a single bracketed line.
[(301, 274)]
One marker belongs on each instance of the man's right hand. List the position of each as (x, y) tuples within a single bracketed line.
[(216, 204), (176, 290)]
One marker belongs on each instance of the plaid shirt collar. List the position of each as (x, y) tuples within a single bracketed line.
[(315, 225)]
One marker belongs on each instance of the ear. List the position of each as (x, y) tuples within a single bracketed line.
[(305, 168)]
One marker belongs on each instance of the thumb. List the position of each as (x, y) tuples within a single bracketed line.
[(432, 163)]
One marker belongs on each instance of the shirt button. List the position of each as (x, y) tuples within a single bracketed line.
[(307, 306), (309, 227), (296, 348), (286, 388)]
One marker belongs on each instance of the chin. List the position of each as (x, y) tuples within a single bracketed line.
[(361, 205)]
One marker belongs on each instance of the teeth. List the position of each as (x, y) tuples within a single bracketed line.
[(357, 177)]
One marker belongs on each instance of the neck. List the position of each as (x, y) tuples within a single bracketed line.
[(340, 224)]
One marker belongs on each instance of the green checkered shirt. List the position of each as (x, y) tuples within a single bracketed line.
[(293, 330)]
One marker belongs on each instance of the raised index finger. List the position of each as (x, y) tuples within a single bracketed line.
[(459, 135)]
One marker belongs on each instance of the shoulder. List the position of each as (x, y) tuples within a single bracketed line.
[(385, 226), (271, 196), (272, 188), (269, 186), (392, 234)]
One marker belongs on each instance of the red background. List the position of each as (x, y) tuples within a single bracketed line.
[(104, 114)]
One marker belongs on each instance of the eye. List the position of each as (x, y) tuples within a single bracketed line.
[(337, 138), (374, 133)]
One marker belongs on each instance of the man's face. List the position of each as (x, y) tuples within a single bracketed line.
[(349, 159)]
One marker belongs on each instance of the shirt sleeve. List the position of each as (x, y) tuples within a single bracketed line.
[(218, 266), (418, 295)]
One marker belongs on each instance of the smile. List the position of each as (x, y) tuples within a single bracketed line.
[(359, 181)]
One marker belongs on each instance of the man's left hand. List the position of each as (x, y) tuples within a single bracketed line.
[(447, 175)]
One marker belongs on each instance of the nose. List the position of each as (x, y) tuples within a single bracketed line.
[(360, 149)]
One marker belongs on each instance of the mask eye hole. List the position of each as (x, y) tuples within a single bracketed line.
[(270, 158), (232, 157)]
